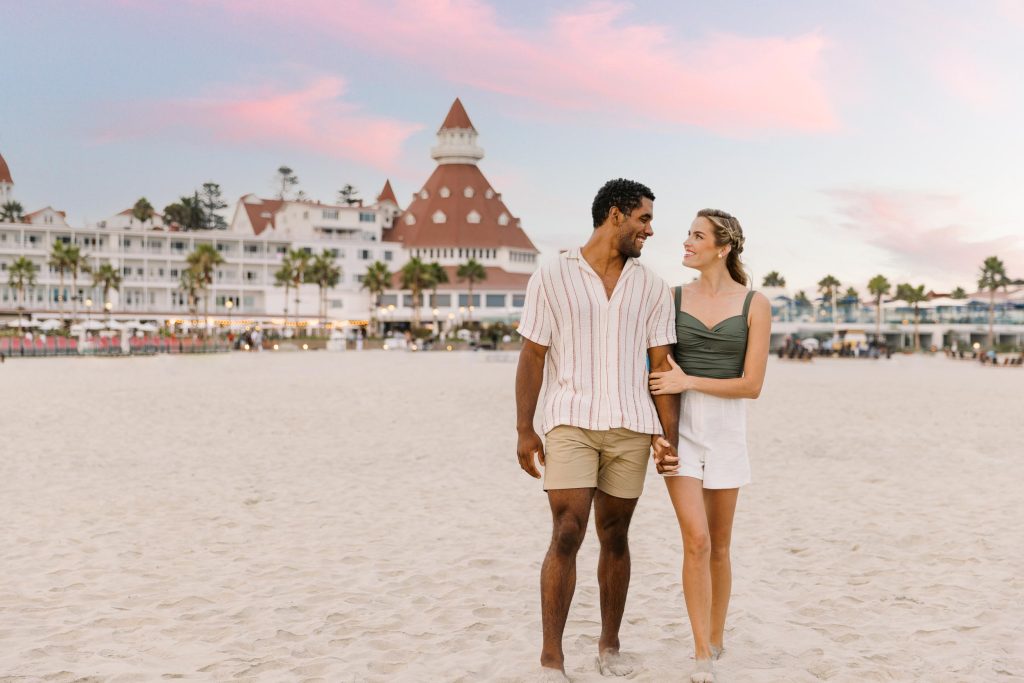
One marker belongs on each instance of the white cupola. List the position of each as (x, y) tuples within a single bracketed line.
[(456, 139)]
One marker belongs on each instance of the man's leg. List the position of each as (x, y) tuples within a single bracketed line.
[(612, 516), (721, 510), (570, 510)]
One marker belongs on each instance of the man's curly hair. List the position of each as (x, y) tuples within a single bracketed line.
[(625, 195)]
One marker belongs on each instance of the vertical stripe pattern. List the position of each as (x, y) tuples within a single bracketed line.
[(595, 375)]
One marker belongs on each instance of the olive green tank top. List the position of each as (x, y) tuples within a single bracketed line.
[(716, 352)]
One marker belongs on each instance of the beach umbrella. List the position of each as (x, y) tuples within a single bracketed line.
[(114, 325), (93, 325), (147, 327), (51, 325), (22, 322)]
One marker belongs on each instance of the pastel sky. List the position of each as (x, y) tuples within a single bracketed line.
[(850, 138)]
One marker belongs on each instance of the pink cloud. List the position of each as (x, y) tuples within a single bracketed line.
[(593, 60), (927, 234), (314, 117), (966, 79)]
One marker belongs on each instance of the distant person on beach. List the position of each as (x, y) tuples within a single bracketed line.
[(722, 331), (590, 321)]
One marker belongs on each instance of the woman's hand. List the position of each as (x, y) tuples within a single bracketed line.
[(673, 381)]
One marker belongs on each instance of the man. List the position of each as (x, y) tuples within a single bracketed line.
[(598, 312)]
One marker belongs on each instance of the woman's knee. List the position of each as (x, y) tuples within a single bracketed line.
[(697, 544)]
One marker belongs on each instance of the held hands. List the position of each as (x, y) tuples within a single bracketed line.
[(529, 446), (673, 381), (665, 457)]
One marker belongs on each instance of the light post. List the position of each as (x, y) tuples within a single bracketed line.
[(451, 321), (229, 304), (391, 311), (88, 309), (109, 307), (437, 325)]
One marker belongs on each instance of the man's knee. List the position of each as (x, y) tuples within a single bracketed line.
[(567, 535), (614, 536)]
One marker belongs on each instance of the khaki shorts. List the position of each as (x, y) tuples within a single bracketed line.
[(613, 461)]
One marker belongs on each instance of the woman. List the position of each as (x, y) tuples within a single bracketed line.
[(723, 332)]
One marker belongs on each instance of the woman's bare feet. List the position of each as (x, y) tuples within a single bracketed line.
[(704, 672)]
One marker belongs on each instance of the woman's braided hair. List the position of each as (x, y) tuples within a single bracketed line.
[(728, 231)]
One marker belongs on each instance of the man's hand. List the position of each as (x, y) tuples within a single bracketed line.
[(666, 459), (529, 446)]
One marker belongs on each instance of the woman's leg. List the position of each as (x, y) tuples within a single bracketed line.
[(720, 505), (688, 501)]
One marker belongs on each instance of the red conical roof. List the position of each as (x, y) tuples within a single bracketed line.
[(457, 117), (387, 194), (5, 173)]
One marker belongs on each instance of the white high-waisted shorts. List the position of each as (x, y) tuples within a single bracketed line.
[(713, 440)]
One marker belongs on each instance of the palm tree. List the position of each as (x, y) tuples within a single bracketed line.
[(878, 286), (300, 260), (60, 262), (20, 276), (286, 179), (203, 262), (801, 301), (375, 281), (851, 298), (438, 276), (143, 211), (958, 293), (77, 263), (326, 274), (283, 278), (992, 277), (108, 278), (12, 212), (472, 272), (913, 296), (773, 279), (189, 284), (416, 276), (828, 286)]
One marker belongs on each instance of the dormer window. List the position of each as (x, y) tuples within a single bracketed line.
[(473, 217), (503, 219), (468, 192), (444, 192), (489, 193), (424, 194), (439, 217), (409, 219)]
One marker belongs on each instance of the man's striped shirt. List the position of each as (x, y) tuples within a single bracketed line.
[(596, 368)]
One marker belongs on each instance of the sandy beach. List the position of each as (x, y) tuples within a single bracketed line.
[(362, 517)]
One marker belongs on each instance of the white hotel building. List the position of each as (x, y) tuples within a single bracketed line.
[(455, 216)]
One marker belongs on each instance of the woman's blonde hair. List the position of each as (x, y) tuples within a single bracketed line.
[(728, 231)]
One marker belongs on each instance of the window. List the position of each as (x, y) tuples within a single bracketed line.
[(178, 246), (127, 242), (409, 301), (503, 219), (389, 300), (367, 217), (250, 276), (439, 217), (331, 214), (444, 192), (252, 249), (387, 255), (473, 217), (518, 300), (365, 255), (468, 192), (337, 303), (409, 219), (441, 300), (174, 272), (464, 300), (495, 301), (281, 249)]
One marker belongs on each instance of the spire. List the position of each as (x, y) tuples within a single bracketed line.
[(456, 139), (387, 194), (457, 117), (5, 172)]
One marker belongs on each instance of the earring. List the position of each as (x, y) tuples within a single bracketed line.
[(719, 254)]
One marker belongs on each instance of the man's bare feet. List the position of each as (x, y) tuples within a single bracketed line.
[(549, 675), (704, 672), (611, 663)]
